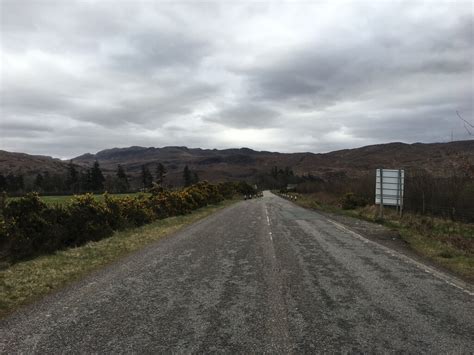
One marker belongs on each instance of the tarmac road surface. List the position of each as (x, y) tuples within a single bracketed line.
[(261, 275)]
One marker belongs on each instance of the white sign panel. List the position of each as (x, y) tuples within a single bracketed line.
[(391, 182)]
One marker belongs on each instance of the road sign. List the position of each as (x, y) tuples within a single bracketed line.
[(389, 187)]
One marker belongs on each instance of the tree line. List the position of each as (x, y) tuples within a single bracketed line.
[(277, 178), (92, 179)]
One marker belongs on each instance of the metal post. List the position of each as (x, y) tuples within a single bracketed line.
[(401, 192), (399, 187), (381, 193)]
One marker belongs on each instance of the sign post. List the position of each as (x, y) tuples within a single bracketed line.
[(389, 188), (381, 193)]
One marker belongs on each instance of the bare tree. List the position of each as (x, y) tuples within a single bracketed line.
[(466, 124)]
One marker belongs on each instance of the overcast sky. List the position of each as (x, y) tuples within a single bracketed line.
[(81, 76)]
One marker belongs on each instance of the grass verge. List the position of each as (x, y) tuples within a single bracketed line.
[(446, 243), (27, 281)]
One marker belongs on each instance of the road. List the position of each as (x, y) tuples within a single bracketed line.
[(261, 275)]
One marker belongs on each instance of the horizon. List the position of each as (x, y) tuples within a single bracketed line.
[(233, 148), (286, 77)]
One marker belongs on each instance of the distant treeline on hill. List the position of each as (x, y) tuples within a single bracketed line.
[(93, 180), (76, 181), (279, 178)]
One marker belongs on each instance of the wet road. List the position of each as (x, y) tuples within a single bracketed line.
[(261, 275)]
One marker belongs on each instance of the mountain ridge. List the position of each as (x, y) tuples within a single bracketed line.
[(246, 163)]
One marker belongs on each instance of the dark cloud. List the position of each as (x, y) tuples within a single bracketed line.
[(81, 76), (324, 77)]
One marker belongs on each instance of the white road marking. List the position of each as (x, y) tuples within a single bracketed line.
[(446, 278), (268, 222), (266, 213)]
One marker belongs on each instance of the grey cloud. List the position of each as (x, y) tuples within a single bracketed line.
[(15, 126), (245, 115), (158, 50), (421, 126), (318, 77), (24, 99), (83, 76), (324, 78), (148, 109)]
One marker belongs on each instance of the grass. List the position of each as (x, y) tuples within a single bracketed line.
[(445, 242), (448, 243), (27, 281)]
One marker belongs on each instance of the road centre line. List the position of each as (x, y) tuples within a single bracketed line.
[(266, 213), (268, 222)]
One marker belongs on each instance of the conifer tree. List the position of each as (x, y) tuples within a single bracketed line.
[(97, 178), (160, 173), (123, 184), (187, 176), (72, 178), (39, 182), (147, 178), (3, 183), (195, 177)]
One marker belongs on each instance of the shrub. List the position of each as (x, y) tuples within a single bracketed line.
[(351, 201), (25, 229), (135, 211), (115, 216), (244, 188), (226, 189), (159, 205), (88, 220), (29, 227)]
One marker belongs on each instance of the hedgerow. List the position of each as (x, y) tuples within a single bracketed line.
[(29, 227)]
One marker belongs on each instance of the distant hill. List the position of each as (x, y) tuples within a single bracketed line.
[(244, 163), (30, 164), (213, 164)]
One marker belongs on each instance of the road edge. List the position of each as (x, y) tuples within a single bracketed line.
[(421, 264), (450, 280)]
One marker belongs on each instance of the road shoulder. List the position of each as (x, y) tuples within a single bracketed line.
[(390, 238)]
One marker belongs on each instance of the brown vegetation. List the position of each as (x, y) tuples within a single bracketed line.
[(236, 164)]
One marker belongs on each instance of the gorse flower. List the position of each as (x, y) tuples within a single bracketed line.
[(29, 227)]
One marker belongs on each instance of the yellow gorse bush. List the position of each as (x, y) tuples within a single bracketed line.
[(29, 227)]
